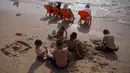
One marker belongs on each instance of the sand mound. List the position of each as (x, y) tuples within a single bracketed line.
[(96, 41), (92, 62)]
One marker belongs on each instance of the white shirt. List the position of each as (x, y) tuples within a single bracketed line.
[(88, 10)]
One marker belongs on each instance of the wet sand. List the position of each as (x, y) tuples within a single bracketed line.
[(33, 23)]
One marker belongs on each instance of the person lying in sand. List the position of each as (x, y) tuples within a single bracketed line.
[(59, 58), (108, 43), (60, 34), (72, 45), (39, 50)]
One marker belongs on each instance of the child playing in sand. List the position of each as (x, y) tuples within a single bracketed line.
[(108, 42), (72, 45), (38, 50), (59, 58), (60, 34)]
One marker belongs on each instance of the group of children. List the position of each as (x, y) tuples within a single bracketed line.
[(62, 55)]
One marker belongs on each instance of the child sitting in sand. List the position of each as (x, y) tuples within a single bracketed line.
[(108, 43), (59, 58), (60, 34), (39, 50), (74, 46)]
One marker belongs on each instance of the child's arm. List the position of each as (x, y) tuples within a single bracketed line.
[(65, 34), (104, 40)]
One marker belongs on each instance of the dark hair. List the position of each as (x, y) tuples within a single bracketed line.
[(106, 31), (59, 5), (38, 42), (62, 28), (59, 43), (73, 35)]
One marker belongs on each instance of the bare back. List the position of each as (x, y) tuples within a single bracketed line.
[(71, 45), (109, 39), (61, 57)]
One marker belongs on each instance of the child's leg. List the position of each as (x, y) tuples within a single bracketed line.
[(39, 58), (101, 48), (52, 61)]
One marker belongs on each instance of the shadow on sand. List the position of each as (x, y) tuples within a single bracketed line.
[(65, 24), (45, 18), (53, 21), (54, 70), (110, 55), (84, 28), (34, 66)]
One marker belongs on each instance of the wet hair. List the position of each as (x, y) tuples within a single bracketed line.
[(38, 42), (73, 35), (106, 31), (59, 43)]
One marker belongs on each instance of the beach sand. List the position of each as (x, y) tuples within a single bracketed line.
[(32, 24)]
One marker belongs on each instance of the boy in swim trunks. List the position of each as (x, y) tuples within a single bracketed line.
[(59, 57)]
